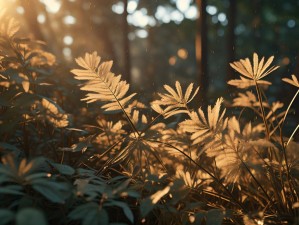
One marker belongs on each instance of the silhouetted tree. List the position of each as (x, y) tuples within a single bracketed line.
[(126, 44), (231, 39), (201, 48), (30, 13)]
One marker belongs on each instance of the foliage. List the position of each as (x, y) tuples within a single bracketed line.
[(168, 164)]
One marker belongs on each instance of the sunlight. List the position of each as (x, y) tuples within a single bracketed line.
[(68, 40), (67, 52), (177, 16), (221, 17), (191, 13), (52, 6), (212, 10), (41, 18), (172, 60), (139, 19), (20, 10), (163, 14), (142, 33), (291, 23), (6, 4), (118, 8), (183, 5), (69, 20), (182, 53), (132, 6)]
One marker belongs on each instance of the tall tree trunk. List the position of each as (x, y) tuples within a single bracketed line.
[(201, 42), (31, 18), (256, 22), (231, 38), (126, 44)]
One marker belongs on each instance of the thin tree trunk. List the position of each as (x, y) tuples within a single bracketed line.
[(31, 18), (231, 38), (201, 42), (126, 44)]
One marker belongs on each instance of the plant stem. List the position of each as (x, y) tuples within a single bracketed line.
[(292, 135), (206, 171), (288, 109), (262, 109)]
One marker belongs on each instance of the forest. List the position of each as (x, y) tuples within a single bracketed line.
[(175, 112)]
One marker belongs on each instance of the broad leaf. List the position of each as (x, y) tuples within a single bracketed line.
[(30, 216)]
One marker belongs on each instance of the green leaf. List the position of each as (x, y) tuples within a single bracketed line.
[(214, 217), (53, 191), (63, 169), (103, 217), (198, 218), (127, 211), (96, 217), (8, 146), (6, 216), (91, 214), (30, 216), (146, 206), (35, 176), (12, 190), (81, 211)]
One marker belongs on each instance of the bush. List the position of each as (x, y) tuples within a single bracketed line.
[(163, 164)]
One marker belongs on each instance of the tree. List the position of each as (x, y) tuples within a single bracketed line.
[(126, 44), (31, 18), (231, 36), (201, 48)]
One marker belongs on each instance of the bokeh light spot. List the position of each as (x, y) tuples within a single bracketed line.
[(182, 53), (68, 40), (41, 18)]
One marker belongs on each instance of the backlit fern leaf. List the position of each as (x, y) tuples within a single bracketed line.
[(101, 84), (8, 26), (252, 72), (247, 99), (294, 81), (204, 129), (175, 102)]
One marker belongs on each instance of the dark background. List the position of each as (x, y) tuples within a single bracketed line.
[(155, 41)]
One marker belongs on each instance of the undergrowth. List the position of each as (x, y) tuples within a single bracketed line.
[(166, 163)]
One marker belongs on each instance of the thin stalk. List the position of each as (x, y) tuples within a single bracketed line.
[(288, 109), (251, 174), (122, 108), (206, 171), (262, 109), (292, 135), (286, 161), (150, 124), (272, 174)]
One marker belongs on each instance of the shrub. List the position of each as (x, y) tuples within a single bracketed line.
[(163, 164)]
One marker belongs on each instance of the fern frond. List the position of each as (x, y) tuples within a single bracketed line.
[(294, 81), (8, 26), (252, 73), (202, 128), (244, 83), (111, 133), (247, 99), (53, 113), (174, 101), (101, 84)]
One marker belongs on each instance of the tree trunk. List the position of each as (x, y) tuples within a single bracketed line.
[(31, 18), (231, 39), (126, 44), (201, 42)]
